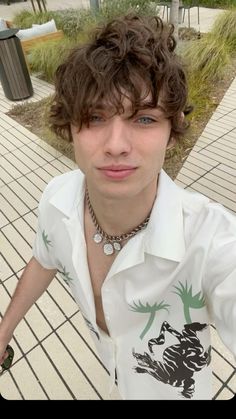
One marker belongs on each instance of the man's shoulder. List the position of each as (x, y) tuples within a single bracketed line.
[(63, 191), (193, 202), (203, 211)]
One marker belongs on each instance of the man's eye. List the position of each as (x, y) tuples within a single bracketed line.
[(145, 120), (95, 118)]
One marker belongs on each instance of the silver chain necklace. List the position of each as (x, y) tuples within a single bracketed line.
[(111, 243)]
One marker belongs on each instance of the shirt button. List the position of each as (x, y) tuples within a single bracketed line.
[(107, 318)]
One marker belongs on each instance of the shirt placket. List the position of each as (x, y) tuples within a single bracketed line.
[(109, 313)]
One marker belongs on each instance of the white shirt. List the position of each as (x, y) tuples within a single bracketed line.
[(165, 287)]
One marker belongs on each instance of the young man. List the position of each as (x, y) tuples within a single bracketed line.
[(150, 264)]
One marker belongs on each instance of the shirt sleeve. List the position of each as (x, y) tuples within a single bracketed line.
[(44, 242), (220, 281)]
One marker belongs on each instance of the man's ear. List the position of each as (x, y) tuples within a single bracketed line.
[(171, 143)]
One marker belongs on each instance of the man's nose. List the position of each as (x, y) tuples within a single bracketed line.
[(118, 138)]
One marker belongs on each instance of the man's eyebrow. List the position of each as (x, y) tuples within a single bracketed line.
[(150, 107), (101, 106)]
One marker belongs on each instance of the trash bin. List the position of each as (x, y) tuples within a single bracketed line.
[(14, 74)]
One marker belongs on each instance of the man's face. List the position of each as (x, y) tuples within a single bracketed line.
[(121, 156)]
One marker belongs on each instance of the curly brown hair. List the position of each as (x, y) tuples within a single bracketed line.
[(122, 57)]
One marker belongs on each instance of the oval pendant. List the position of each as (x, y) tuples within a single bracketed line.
[(108, 249), (97, 238), (117, 246)]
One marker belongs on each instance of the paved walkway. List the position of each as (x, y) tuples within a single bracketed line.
[(211, 166), (54, 355)]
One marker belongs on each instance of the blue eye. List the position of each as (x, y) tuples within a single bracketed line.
[(145, 120)]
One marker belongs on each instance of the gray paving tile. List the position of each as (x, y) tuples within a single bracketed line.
[(225, 394), (13, 200), (10, 141), (5, 176), (227, 142), (3, 220), (196, 161), (216, 158), (13, 165), (47, 375), (36, 180), (27, 381), (5, 270), (227, 169), (214, 195), (193, 168), (44, 174), (205, 156), (7, 209), (22, 134), (17, 191), (184, 179), (8, 388), (44, 152), (24, 229), (224, 185), (32, 189), (223, 175), (17, 241), (26, 160), (232, 383), (189, 173)]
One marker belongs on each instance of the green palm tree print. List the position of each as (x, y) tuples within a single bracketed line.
[(189, 300), (65, 275), (148, 309), (46, 241)]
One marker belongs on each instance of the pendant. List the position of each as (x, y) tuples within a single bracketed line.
[(117, 246), (97, 238), (108, 249)]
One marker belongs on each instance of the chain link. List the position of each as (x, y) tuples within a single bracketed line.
[(109, 238)]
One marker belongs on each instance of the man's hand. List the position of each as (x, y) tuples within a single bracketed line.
[(3, 353), (6, 359)]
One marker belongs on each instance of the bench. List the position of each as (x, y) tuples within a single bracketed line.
[(27, 44)]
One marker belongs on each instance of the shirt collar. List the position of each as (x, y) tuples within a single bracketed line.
[(164, 235), (69, 196)]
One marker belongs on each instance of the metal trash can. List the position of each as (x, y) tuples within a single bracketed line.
[(14, 74)]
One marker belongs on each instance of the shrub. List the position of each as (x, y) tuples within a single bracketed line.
[(224, 28), (25, 18), (46, 56)]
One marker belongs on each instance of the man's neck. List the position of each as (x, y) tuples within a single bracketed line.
[(116, 217)]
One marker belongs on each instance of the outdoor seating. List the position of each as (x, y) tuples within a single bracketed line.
[(188, 7), (41, 5), (183, 6), (33, 36)]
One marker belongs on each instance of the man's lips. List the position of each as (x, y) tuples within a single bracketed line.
[(118, 171), (117, 167)]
